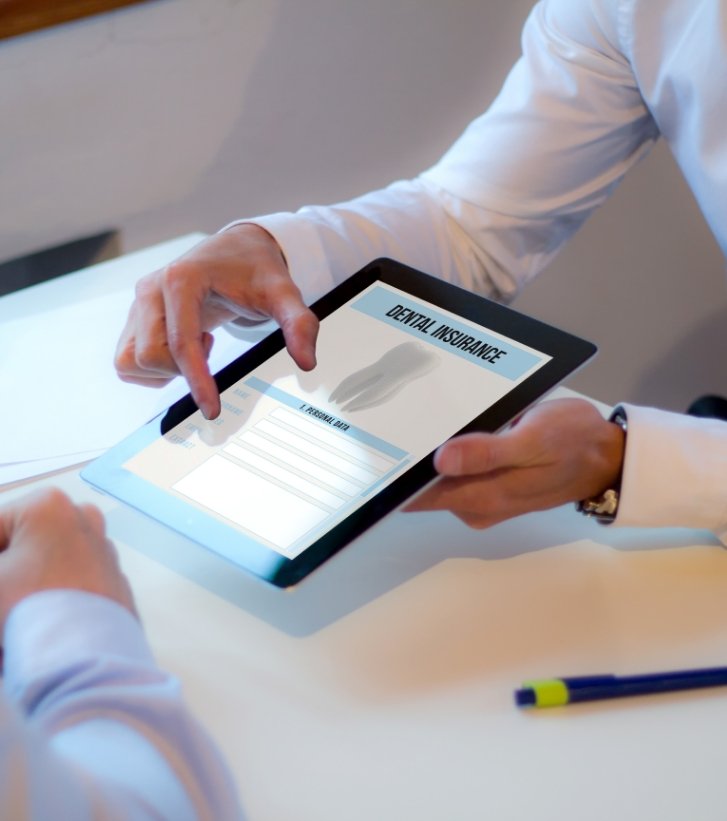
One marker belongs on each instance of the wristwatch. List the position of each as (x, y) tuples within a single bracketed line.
[(603, 508)]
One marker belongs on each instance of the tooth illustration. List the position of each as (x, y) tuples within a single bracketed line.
[(383, 379)]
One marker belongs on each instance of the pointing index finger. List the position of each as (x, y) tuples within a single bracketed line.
[(189, 346)]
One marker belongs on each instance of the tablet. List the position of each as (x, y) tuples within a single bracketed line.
[(299, 463)]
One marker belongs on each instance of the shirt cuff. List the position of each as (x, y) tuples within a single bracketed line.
[(675, 472), (55, 630)]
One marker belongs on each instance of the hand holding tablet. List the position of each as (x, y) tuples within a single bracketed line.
[(301, 462), (561, 451)]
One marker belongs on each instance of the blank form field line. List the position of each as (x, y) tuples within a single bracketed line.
[(259, 506), (314, 451), (356, 450), (300, 463), (285, 477)]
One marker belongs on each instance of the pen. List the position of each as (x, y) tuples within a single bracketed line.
[(555, 692)]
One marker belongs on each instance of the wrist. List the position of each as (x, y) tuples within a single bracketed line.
[(252, 231)]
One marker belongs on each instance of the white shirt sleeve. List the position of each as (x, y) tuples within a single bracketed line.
[(493, 212), (90, 727), (675, 472)]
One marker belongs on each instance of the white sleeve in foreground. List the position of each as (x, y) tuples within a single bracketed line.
[(675, 472), (90, 727)]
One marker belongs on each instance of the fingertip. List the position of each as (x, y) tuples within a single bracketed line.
[(306, 359), (195, 369), (204, 392), (210, 407), (209, 402), (448, 459), (303, 354), (301, 339), (468, 454)]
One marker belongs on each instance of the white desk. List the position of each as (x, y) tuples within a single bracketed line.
[(382, 687)]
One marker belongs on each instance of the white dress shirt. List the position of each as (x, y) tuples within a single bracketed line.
[(599, 81), (91, 728)]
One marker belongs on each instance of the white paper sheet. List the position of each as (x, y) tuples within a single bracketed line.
[(17, 472), (61, 395)]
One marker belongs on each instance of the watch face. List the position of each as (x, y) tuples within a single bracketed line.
[(603, 508)]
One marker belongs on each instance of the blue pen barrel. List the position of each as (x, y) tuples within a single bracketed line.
[(557, 692), (593, 688)]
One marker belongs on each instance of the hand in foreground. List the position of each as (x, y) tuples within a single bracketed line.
[(47, 543), (240, 272), (560, 451)]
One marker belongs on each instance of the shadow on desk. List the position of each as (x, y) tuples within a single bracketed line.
[(393, 552)]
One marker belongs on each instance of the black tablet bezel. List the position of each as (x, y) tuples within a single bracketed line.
[(567, 352)]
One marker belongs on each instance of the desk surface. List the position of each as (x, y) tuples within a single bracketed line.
[(381, 688)]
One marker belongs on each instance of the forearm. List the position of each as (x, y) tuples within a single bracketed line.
[(492, 213), (106, 733)]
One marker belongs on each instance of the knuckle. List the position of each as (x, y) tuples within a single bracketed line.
[(175, 275), (148, 358), (261, 290), (177, 342), (54, 495), (145, 287), (54, 499), (94, 517), (487, 453), (476, 521), (281, 289), (124, 360)]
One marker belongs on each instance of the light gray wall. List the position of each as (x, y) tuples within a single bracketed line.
[(646, 281), (179, 115)]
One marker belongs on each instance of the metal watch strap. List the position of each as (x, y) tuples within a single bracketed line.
[(603, 508)]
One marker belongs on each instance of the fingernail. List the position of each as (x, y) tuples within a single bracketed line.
[(448, 461)]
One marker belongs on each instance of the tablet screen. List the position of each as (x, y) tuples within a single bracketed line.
[(294, 455)]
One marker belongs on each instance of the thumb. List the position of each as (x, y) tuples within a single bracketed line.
[(479, 453)]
